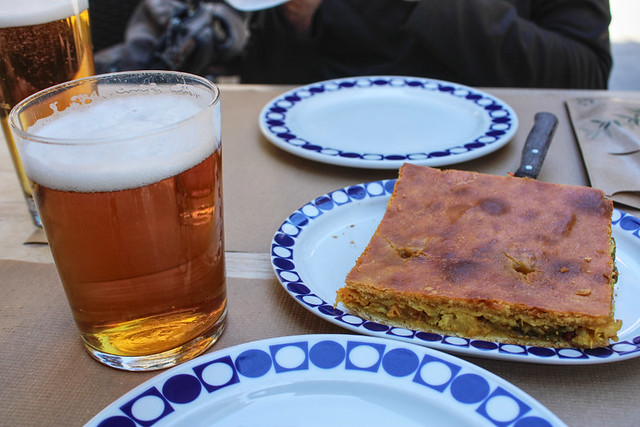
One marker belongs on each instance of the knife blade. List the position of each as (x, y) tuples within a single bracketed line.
[(536, 145)]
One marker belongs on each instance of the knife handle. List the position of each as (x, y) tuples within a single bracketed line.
[(537, 144)]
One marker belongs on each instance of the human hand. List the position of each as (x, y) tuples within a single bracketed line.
[(300, 12)]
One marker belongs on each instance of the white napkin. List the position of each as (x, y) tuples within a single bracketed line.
[(253, 5)]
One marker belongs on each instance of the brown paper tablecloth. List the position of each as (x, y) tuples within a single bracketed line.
[(47, 378)]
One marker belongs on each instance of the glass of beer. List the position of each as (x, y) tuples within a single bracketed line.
[(42, 43), (125, 170)]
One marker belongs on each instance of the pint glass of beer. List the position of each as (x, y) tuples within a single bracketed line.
[(42, 43), (126, 173)]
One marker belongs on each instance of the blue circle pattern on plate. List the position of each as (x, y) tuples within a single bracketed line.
[(282, 260), (275, 117), (476, 393)]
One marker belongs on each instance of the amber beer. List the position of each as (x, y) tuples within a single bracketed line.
[(42, 43), (130, 197)]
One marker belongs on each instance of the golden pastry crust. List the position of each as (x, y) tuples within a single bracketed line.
[(490, 257)]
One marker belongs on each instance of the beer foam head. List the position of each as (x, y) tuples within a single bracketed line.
[(33, 12), (114, 118), (118, 143)]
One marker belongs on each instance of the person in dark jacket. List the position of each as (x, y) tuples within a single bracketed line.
[(491, 43)]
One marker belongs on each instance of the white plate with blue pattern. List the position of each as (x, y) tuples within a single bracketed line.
[(326, 380), (314, 249), (381, 122)]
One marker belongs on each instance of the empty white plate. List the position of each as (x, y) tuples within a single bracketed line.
[(381, 122), (326, 380)]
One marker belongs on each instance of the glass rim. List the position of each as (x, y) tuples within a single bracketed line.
[(15, 112)]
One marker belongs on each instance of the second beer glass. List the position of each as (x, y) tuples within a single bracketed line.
[(42, 43), (126, 174)]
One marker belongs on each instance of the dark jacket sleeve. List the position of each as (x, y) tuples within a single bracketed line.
[(545, 43), (502, 43)]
